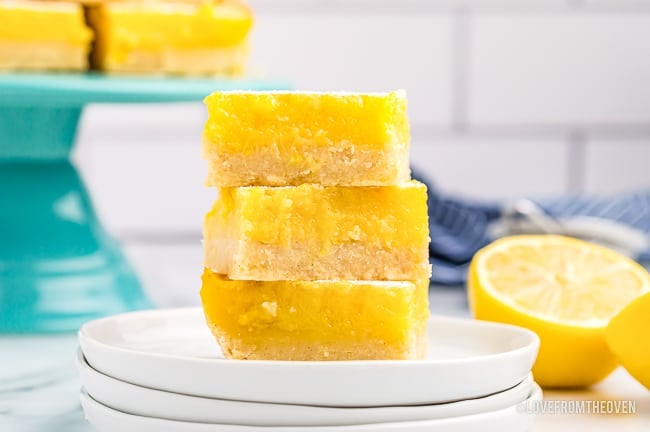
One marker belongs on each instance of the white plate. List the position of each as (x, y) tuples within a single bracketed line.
[(142, 401), (173, 350), (511, 419)]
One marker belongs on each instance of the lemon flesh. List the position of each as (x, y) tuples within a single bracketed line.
[(564, 289)]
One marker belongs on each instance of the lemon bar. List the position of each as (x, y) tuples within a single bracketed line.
[(171, 37), (291, 138), (43, 35), (313, 232), (317, 320)]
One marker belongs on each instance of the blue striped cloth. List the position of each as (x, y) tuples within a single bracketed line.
[(459, 228)]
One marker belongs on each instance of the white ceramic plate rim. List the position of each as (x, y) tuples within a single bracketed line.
[(292, 382), (533, 339), (142, 401), (502, 419)]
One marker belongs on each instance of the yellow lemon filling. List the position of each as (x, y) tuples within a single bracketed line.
[(43, 22)]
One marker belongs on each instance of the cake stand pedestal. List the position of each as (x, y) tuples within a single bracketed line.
[(58, 265)]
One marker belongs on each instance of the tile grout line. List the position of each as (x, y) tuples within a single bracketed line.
[(460, 70), (523, 131), (576, 161), (391, 7), (157, 237), (576, 4)]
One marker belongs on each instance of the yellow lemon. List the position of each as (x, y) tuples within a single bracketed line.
[(628, 336), (566, 290)]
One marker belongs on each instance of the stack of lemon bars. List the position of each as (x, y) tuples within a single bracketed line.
[(317, 246), (181, 37)]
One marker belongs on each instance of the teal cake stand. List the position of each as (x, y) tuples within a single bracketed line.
[(58, 266)]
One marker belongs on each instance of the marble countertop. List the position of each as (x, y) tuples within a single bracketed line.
[(39, 387)]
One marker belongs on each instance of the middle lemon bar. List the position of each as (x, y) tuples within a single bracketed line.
[(313, 232)]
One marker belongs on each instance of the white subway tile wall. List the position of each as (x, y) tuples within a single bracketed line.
[(363, 52), (145, 178), (632, 5), (493, 168), (507, 98), (578, 68), (616, 165)]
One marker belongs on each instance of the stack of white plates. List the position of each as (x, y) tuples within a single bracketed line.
[(163, 371)]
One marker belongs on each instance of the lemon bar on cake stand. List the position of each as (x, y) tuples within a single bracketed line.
[(43, 35), (202, 37)]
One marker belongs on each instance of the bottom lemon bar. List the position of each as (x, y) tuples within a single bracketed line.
[(317, 320), (313, 232)]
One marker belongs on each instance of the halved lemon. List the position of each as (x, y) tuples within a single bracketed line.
[(628, 337), (564, 289)]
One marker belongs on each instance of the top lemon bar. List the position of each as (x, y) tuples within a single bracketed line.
[(293, 138)]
